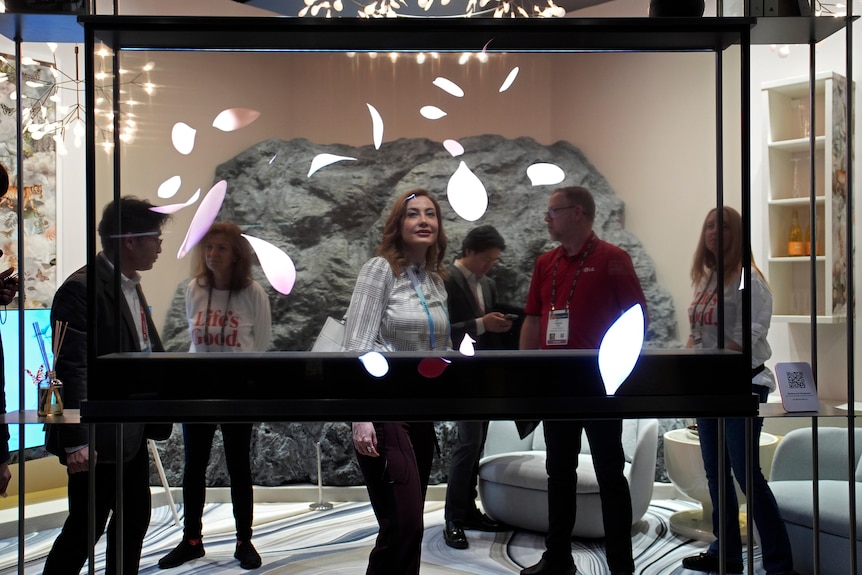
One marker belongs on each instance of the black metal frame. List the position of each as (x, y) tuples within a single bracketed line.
[(335, 386)]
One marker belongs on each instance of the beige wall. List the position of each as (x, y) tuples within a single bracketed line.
[(645, 120)]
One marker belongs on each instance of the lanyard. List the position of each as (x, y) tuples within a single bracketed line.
[(574, 281), (144, 331), (415, 283), (207, 318)]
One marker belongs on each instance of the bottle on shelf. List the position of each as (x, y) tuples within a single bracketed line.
[(820, 241), (808, 239), (794, 240)]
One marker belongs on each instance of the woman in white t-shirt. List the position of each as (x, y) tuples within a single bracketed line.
[(227, 311), (703, 315)]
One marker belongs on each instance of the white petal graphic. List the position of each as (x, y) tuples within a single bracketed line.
[(449, 87), (453, 147), (467, 194), (275, 263), (621, 347), (323, 160), (545, 174), (510, 79), (374, 363), (171, 208), (466, 347), (234, 119), (170, 187), (376, 126), (432, 112), (183, 137), (203, 218)]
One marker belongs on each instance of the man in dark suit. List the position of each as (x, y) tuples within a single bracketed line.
[(472, 296), (131, 239)]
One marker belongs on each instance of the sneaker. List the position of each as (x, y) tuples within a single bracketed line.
[(247, 555), (187, 550), (707, 563)]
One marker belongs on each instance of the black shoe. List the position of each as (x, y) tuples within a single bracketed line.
[(247, 555), (546, 567), (709, 563), (182, 553), (478, 521), (454, 536)]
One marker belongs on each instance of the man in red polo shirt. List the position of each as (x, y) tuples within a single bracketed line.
[(577, 292)]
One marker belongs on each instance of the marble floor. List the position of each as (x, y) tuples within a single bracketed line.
[(295, 540)]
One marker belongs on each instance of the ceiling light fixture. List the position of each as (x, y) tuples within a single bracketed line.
[(71, 118)]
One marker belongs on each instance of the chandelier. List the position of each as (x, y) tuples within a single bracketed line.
[(43, 95), (403, 9)]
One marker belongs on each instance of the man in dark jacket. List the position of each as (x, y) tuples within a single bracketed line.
[(472, 297), (131, 239)]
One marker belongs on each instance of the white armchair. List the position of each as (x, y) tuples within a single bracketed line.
[(513, 482)]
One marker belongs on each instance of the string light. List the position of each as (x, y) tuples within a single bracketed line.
[(71, 119), (394, 8)]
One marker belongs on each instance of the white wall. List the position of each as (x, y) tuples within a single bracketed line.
[(792, 342)]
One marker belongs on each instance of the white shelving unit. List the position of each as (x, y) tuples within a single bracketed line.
[(787, 154)]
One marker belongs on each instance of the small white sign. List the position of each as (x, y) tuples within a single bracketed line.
[(796, 384)]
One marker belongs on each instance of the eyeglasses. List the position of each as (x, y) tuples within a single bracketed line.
[(552, 213)]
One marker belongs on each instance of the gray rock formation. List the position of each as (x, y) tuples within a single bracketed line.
[(330, 224)]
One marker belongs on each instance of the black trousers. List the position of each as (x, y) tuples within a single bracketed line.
[(464, 470), (70, 550), (397, 481), (198, 440), (563, 441)]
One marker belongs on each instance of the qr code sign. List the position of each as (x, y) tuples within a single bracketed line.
[(796, 380)]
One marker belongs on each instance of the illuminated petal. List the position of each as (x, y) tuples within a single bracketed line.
[(449, 87), (466, 347), (545, 174), (170, 187), (375, 364), (432, 367), (376, 126), (203, 218), (183, 137), (467, 194), (171, 208), (323, 160), (453, 147), (432, 112), (234, 119), (275, 263), (621, 347), (510, 79)]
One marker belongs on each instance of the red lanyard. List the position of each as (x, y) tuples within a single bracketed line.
[(574, 281)]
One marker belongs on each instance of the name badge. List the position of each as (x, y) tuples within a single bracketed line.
[(558, 327)]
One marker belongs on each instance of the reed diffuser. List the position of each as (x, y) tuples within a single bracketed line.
[(51, 388)]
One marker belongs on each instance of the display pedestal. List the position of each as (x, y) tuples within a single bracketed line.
[(685, 470)]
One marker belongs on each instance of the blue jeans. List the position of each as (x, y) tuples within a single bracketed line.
[(774, 543)]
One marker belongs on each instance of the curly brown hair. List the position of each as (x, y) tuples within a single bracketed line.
[(240, 275), (391, 247)]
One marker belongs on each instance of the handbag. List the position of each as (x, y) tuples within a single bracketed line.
[(331, 336)]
